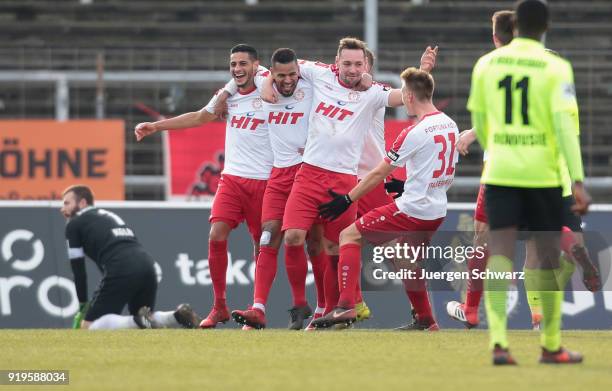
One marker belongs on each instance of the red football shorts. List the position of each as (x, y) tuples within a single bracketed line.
[(387, 223), (310, 190), (374, 199), (480, 214), (277, 192), (238, 199)]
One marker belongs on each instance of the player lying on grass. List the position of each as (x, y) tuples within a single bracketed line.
[(129, 275)]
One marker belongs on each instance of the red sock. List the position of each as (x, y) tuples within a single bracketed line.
[(331, 283), (568, 240), (475, 286), (349, 269), (319, 264), (217, 263), (358, 295), (417, 293), (297, 268), (265, 272)]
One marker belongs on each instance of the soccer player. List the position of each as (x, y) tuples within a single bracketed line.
[(572, 242), (129, 272), (426, 150), (339, 120), (247, 166), (522, 100), (288, 126)]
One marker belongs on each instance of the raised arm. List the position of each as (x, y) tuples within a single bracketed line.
[(428, 62)]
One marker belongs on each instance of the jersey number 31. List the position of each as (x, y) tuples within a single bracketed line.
[(445, 168)]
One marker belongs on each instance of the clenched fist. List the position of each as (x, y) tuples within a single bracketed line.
[(144, 129)]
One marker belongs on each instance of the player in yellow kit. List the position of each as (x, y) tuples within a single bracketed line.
[(522, 100)]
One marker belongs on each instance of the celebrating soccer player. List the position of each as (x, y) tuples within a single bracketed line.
[(426, 150), (248, 162), (288, 126)]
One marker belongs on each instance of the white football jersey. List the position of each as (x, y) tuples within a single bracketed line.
[(374, 145), (427, 149), (247, 143), (287, 120), (288, 124), (340, 118)]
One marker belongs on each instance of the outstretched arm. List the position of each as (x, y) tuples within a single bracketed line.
[(187, 120)]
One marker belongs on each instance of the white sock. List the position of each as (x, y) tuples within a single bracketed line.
[(165, 319), (319, 310), (260, 306), (113, 322)]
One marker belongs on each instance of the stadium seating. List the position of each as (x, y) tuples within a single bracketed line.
[(195, 35)]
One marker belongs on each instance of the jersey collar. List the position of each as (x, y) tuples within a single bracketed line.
[(430, 114), (247, 91), (526, 42), (86, 209)]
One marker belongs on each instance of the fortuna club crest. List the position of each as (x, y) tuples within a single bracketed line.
[(354, 96), (299, 95), (257, 103)]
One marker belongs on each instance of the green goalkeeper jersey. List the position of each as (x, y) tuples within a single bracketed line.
[(524, 110)]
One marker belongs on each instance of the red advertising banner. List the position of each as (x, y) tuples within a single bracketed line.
[(196, 158)]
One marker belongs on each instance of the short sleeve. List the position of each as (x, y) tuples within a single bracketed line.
[(381, 97), (210, 107), (404, 146), (310, 70), (260, 78)]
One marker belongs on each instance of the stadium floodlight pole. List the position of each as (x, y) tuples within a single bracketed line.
[(62, 99), (100, 86), (370, 27)]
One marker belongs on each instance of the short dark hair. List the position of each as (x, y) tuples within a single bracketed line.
[(370, 56), (351, 43), (531, 17), (503, 26), (419, 82), (283, 56), (244, 48), (81, 192)]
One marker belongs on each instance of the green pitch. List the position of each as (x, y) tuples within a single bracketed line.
[(282, 360)]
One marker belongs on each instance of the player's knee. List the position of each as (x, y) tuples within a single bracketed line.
[(270, 235), (294, 237), (350, 235), (219, 232)]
